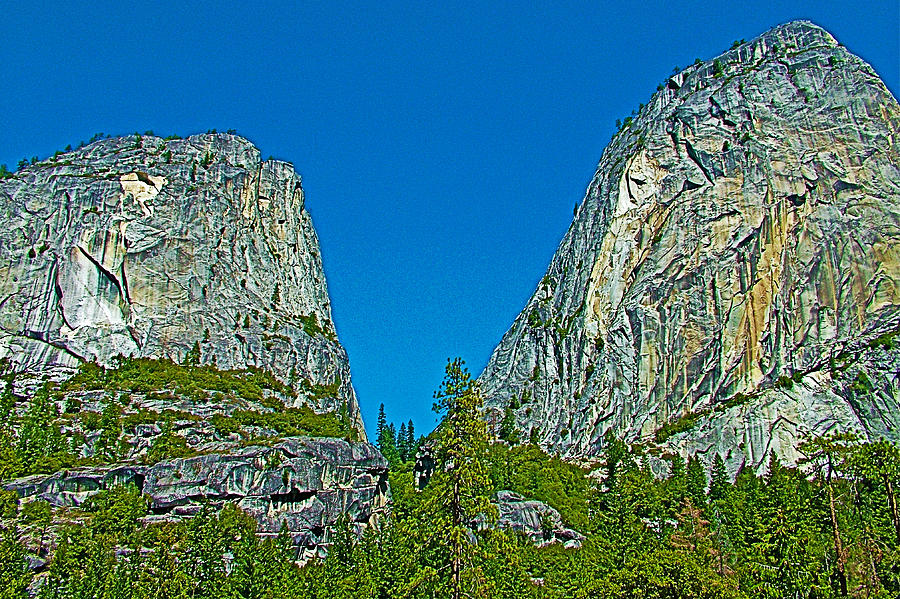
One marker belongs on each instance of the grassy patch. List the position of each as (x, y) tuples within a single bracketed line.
[(148, 375), (682, 424), (290, 422)]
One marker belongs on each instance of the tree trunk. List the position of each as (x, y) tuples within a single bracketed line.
[(838, 546), (893, 503), (455, 562)]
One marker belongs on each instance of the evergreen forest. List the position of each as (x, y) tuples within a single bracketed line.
[(826, 528)]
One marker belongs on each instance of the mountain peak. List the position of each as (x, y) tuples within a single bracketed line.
[(731, 240), (150, 247)]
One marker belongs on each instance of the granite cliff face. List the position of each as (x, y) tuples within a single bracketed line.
[(143, 247), (302, 485), (731, 281), (197, 263)]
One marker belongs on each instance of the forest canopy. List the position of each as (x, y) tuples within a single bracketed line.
[(827, 528)]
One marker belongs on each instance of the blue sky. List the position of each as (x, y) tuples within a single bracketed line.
[(442, 145)]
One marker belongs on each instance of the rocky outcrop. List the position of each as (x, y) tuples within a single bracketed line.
[(303, 484), (190, 251), (855, 392), (541, 523), (742, 231), (142, 246), (534, 519)]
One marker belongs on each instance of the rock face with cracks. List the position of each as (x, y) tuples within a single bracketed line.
[(733, 272), (196, 251), (536, 520), (302, 484), (143, 247)]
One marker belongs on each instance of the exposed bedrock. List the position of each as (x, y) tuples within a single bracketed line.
[(744, 227), (142, 246), (303, 484)]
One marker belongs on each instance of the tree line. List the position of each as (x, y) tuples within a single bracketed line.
[(825, 528)]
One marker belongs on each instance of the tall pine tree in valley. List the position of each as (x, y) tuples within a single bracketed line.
[(402, 445), (461, 485), (387, 439), (719, 495), (382, 423), (411, 444), (696, 481), (878, 464), (826, 457), (719, 485)]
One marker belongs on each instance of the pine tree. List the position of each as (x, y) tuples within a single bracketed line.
[(461, 485), (692, 534), (828, 456), (106, 446), (167, 444), (719, 496), (41, 446), (508, 430), (15, 576), (615, 456), (879, 464), (387, 439), (192, 356), (411, 444), (696, 481), (719, 484), (382, 422), (673, 488), (345, 571), (402, 445), (678, 471)]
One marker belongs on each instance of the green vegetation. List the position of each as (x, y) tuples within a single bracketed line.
[(886, 341), (861, 385), (399, 447), (508, 430), (144, 375), (738, 399), (207, 159), (460, 487), (829, 528), (318, 391), (718, 71), (168, 445), (37, 443), (534, 319), (48, 431), (784, 382), (530, 472), (312, 328), (15, 575), (287, 422), (683, 423)]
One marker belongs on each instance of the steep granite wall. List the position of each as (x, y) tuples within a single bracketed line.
[(143, 246), (742, 229)]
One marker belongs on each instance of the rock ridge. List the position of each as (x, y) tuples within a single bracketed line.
[(301, 484)]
